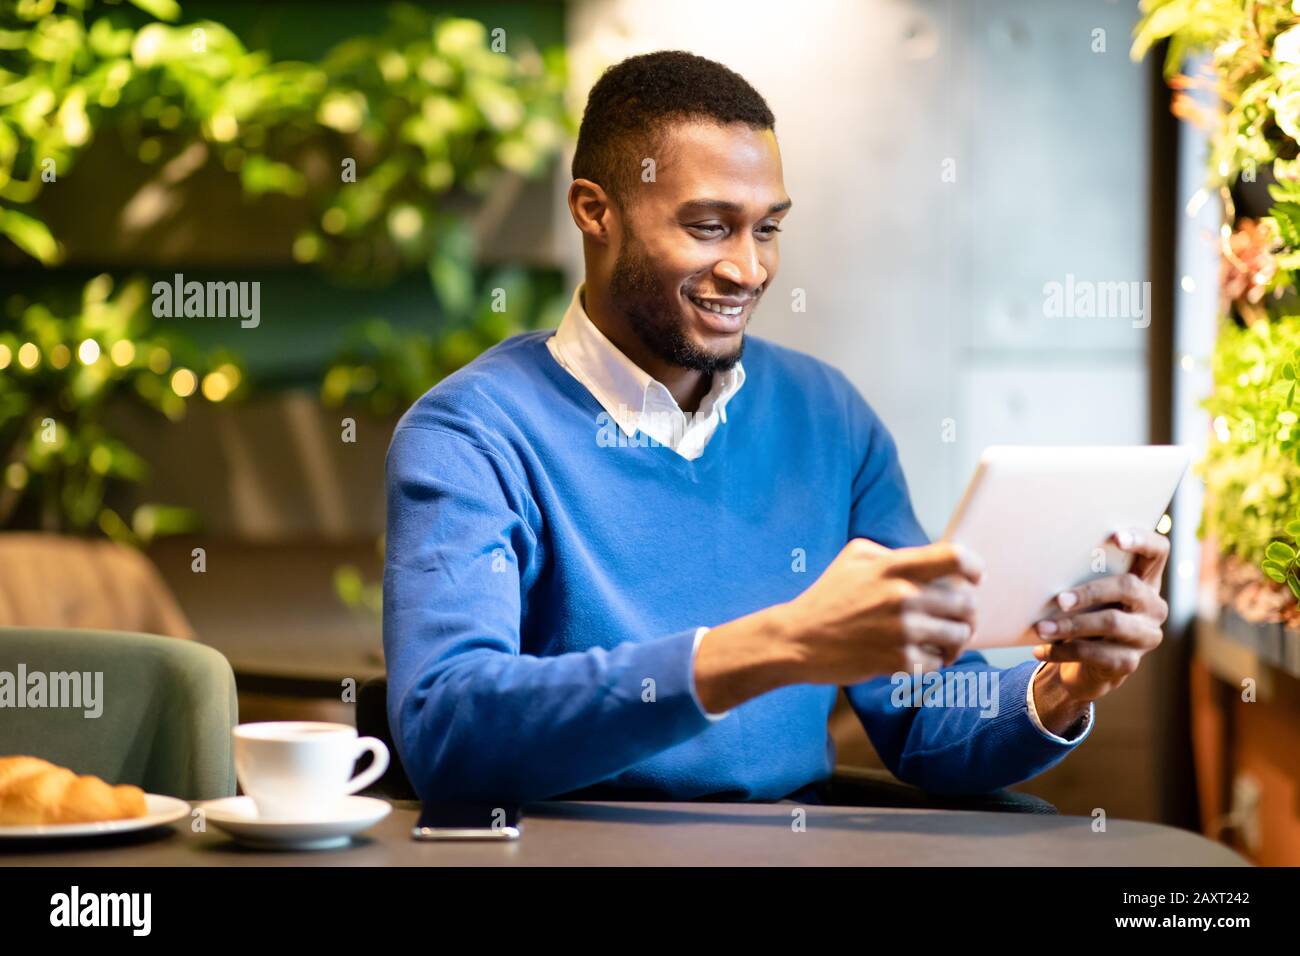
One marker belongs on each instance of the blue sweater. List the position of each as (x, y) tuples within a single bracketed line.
[(545, 579)]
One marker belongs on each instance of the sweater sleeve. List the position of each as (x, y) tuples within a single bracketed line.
[(962, 729), (475, 718), (975, 732)]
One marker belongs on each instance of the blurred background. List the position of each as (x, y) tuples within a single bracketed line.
[(380, 171)]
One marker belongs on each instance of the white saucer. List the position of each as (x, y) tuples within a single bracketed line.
[(159, 811), (238, 817)]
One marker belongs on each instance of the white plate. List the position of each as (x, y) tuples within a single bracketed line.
[(238, 817), (159, 811)]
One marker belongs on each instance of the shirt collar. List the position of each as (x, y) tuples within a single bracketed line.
[(622, 387)]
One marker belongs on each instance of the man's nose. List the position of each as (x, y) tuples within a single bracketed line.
[(743, 268)]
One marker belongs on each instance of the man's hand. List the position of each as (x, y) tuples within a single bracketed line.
[(873, 611), (1106, 628)]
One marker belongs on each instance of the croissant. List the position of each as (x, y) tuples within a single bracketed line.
[(35, 791)]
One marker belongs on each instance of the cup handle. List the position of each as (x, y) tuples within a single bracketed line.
[(377, 766)]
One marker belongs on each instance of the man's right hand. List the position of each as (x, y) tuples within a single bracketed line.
[(872, 612), (875, 611)]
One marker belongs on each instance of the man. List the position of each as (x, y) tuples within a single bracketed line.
[(623, 562)]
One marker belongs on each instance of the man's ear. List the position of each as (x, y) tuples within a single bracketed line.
[(591, 210)]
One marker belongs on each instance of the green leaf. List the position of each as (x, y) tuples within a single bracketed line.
[(1282, 193), (451, 269), (1294, 586), (1280, 552), (1160, 23), (111, 523), (30, 235), (348, 585), (1274, 571), (153, 520), (1287, 217), (168, 10), (1293, 528), (116, 460), (261, 175)]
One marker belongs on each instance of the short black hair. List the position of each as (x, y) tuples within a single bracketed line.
[(634, 101)]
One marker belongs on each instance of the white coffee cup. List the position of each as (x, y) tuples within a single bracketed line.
[(301, 769)]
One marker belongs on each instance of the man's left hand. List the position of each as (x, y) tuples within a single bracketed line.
[(1105, 628)]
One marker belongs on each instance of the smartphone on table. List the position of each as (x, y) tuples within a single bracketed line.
[(467, 821)]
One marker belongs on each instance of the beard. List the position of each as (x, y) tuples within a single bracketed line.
[(656, 316)]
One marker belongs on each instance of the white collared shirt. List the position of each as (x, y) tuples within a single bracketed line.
[(638, 402), (635, 400)]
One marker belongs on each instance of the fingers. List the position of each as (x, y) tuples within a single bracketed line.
[(1114, 625), (1106, 660), (955, 603), (1128, 590), (931, 641), (1151, 551), (932, 561), (1140, 541), (935, 636)]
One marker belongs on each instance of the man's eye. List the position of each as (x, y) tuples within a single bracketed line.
[(770, 229), (712, 228)]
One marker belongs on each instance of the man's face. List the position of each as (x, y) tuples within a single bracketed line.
[(699, 244)]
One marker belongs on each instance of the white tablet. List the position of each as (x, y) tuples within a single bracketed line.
[(1040, 517)]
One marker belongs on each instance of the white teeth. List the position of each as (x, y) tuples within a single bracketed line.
[(720, 309)]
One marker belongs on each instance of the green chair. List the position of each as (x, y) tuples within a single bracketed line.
[(167, 707)]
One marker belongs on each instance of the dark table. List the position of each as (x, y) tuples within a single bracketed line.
[(686, 834)]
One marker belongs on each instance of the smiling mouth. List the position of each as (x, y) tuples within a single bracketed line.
[(717, 308), (726, 317)]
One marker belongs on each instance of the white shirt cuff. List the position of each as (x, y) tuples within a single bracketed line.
[(1033, 710), (699, 635)]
